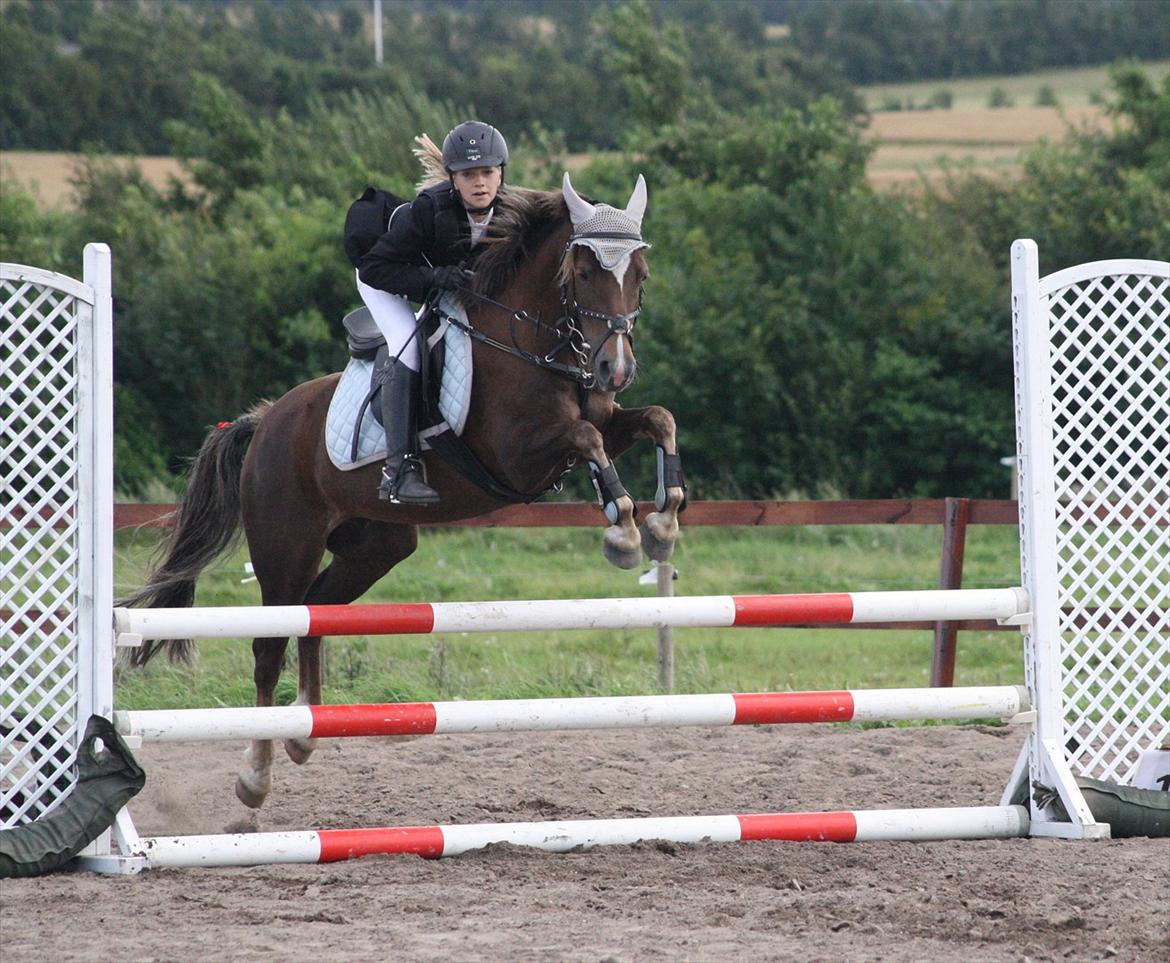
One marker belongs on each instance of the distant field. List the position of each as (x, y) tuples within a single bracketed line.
[(47, 175), (1074, 87), (913, 143)]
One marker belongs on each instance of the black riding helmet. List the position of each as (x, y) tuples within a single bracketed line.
[(474, 144)]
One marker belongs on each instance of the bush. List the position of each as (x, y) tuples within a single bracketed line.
[(1046, 97), (999, 98), (139, 459)]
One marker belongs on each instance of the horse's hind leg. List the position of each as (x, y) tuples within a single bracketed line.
[(363, 551), (284, 572), (310, 679), (255, 781)]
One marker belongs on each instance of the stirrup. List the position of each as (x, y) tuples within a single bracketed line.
[(408, 486), (386, 488)]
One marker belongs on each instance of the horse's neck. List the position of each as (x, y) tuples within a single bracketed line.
[(535, 291), (518, 426)]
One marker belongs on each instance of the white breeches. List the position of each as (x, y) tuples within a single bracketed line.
[(395, 319)]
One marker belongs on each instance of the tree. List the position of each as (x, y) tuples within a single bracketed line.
[(800, 326), (1095, 195)]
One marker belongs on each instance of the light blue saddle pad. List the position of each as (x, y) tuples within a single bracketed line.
[(454, 398)]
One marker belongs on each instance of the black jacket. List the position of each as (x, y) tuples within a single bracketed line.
[(428, 233)]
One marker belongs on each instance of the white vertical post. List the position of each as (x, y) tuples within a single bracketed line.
[(1038, 550), (378, 32), (96, 508), (95, 505)]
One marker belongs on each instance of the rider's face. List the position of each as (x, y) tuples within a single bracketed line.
[(478, 186)]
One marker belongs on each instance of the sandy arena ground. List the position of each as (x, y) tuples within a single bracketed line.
[(970, 901)]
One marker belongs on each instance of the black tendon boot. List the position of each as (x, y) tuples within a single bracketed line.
[(402, 479)]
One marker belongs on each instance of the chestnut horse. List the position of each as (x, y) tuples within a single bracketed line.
[(552, 308)]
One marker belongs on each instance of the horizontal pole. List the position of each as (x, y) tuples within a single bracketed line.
[(708, 611), (327, 846), (760, 513), (10, 621), (521, 715)]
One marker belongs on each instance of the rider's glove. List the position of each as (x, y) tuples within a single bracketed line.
[(450, 276)]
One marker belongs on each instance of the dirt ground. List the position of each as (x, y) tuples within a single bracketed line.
[(995, 900)]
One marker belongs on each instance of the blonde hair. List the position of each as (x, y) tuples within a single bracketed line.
[(431, 158)]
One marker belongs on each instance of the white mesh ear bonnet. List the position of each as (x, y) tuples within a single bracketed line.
[(613, 253)]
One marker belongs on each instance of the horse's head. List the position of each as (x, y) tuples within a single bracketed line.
[(601, 281)]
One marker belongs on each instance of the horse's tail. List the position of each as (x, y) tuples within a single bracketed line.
[(207, 527)]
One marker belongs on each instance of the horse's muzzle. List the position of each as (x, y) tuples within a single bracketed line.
[(615, 374)]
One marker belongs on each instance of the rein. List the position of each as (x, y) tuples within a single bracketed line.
[(579, 373), (567, 328)]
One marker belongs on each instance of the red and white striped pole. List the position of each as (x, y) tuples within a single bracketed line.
[(712, 611), (326, 846), (514, 715)]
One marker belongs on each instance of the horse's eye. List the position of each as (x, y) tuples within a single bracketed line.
[(585, 273)]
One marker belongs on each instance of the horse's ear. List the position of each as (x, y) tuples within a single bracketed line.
[(637, 205), (579, 210)]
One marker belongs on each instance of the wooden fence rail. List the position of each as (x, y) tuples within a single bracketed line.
[(884, 511)]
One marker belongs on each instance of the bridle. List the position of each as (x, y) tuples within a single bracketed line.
[(567, 329)]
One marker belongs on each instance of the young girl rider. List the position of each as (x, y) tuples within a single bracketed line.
[(423, 250)]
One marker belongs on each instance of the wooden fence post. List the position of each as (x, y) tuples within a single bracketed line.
[(950, 576)]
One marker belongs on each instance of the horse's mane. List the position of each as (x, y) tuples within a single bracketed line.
[(523, 220)]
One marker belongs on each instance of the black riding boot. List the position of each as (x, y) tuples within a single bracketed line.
[(402, 479)]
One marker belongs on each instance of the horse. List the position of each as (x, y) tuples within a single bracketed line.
[(542, 403)]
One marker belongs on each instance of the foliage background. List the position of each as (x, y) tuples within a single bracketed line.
[(812, 335)]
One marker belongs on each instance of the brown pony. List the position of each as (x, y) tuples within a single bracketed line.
[(558, 293)]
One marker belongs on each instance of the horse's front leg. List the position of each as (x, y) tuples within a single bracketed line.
[(622, 543), (660, 529)]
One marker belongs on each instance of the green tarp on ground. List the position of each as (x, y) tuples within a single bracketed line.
[(107, 778)]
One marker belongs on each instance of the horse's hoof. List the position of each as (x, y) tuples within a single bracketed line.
[(623, 556), (658, 536), (252, 791), (299, 750)]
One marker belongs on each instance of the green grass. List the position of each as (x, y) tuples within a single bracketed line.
[(1073, 87), (477, 564)]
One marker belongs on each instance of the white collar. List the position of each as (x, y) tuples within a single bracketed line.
[(479, 228)]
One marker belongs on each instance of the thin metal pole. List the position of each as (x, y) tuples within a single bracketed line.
[(665, 573), (378, 32)]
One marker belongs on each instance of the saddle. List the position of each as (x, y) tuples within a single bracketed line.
[(366, 344), (353, 430)]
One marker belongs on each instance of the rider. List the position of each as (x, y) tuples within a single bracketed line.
[(423, 250)]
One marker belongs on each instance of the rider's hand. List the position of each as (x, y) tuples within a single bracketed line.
[(451, 276)]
